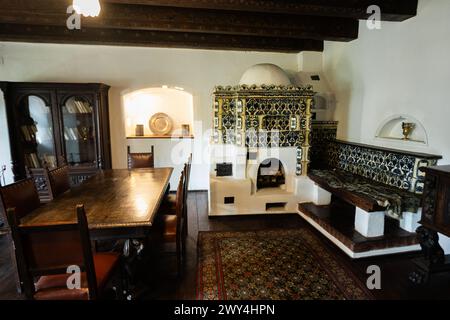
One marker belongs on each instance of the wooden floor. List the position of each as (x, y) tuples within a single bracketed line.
[(163, 285)]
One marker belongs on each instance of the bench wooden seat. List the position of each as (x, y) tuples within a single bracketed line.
[(372, 200), (361, 192), (358, 200)]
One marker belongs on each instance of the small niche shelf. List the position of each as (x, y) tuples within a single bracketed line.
[(162, 137), (391, 129)]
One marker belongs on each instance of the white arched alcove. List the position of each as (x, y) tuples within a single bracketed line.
[(391, 129), (171, 150), (141, 105)]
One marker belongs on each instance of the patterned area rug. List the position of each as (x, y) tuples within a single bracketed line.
[(272, 265)]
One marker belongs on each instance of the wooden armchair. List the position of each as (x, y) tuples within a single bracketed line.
[(44, 254), (141, 160)]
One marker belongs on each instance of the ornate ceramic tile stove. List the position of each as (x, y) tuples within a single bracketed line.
[(264, 133)]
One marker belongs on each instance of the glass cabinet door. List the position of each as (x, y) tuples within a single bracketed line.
[(78, 121), (36, 128)]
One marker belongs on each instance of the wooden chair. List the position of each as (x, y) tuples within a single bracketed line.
[(45, 253), (186, 193), (58, 180), (169, 225), (141, 160), (169, 200), (22, 195)]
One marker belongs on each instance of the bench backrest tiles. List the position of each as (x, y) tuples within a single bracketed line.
[(396, 168)]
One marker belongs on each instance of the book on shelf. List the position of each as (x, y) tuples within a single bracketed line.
[(81, 107), (69, 134), (72, 134), (75, 133), (66, 136), (77, 106), (32, 161), (29, 132)]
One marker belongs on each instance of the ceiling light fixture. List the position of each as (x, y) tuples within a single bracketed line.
[(88, 8)]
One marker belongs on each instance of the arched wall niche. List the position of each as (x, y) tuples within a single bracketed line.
[(140, 105), (391, 129)]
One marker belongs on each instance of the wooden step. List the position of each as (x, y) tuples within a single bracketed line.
[(336, 222)]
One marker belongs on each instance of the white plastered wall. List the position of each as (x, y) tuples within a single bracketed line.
[(127, 69), (401, 69)]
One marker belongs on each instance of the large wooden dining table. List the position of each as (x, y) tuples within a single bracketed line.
[(118, 203)]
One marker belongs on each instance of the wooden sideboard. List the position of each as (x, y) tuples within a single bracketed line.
[(435, 219)]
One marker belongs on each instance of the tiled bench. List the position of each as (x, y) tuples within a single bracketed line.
[(376, 180)]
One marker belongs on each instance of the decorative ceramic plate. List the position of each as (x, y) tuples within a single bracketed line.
[(160, 123)]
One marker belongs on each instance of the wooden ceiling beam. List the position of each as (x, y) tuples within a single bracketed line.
[(55, 34), (261, 25), (140, 17), (392, 10)]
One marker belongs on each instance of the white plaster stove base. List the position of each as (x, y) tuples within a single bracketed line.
[(248, 201)]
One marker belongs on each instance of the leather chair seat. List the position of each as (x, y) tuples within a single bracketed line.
[(62, 294), (54, 287)]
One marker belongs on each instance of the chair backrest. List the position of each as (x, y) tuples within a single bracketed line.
[(141, 160), (51, 249), (180, 204), (189, 166), (187, 174), (58, 180), (21, 196)]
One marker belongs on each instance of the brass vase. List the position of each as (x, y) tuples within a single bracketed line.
[(408, 128)]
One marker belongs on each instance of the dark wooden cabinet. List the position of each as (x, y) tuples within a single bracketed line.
[(56, 123)]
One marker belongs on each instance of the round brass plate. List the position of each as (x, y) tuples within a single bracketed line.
[(160, 123)]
